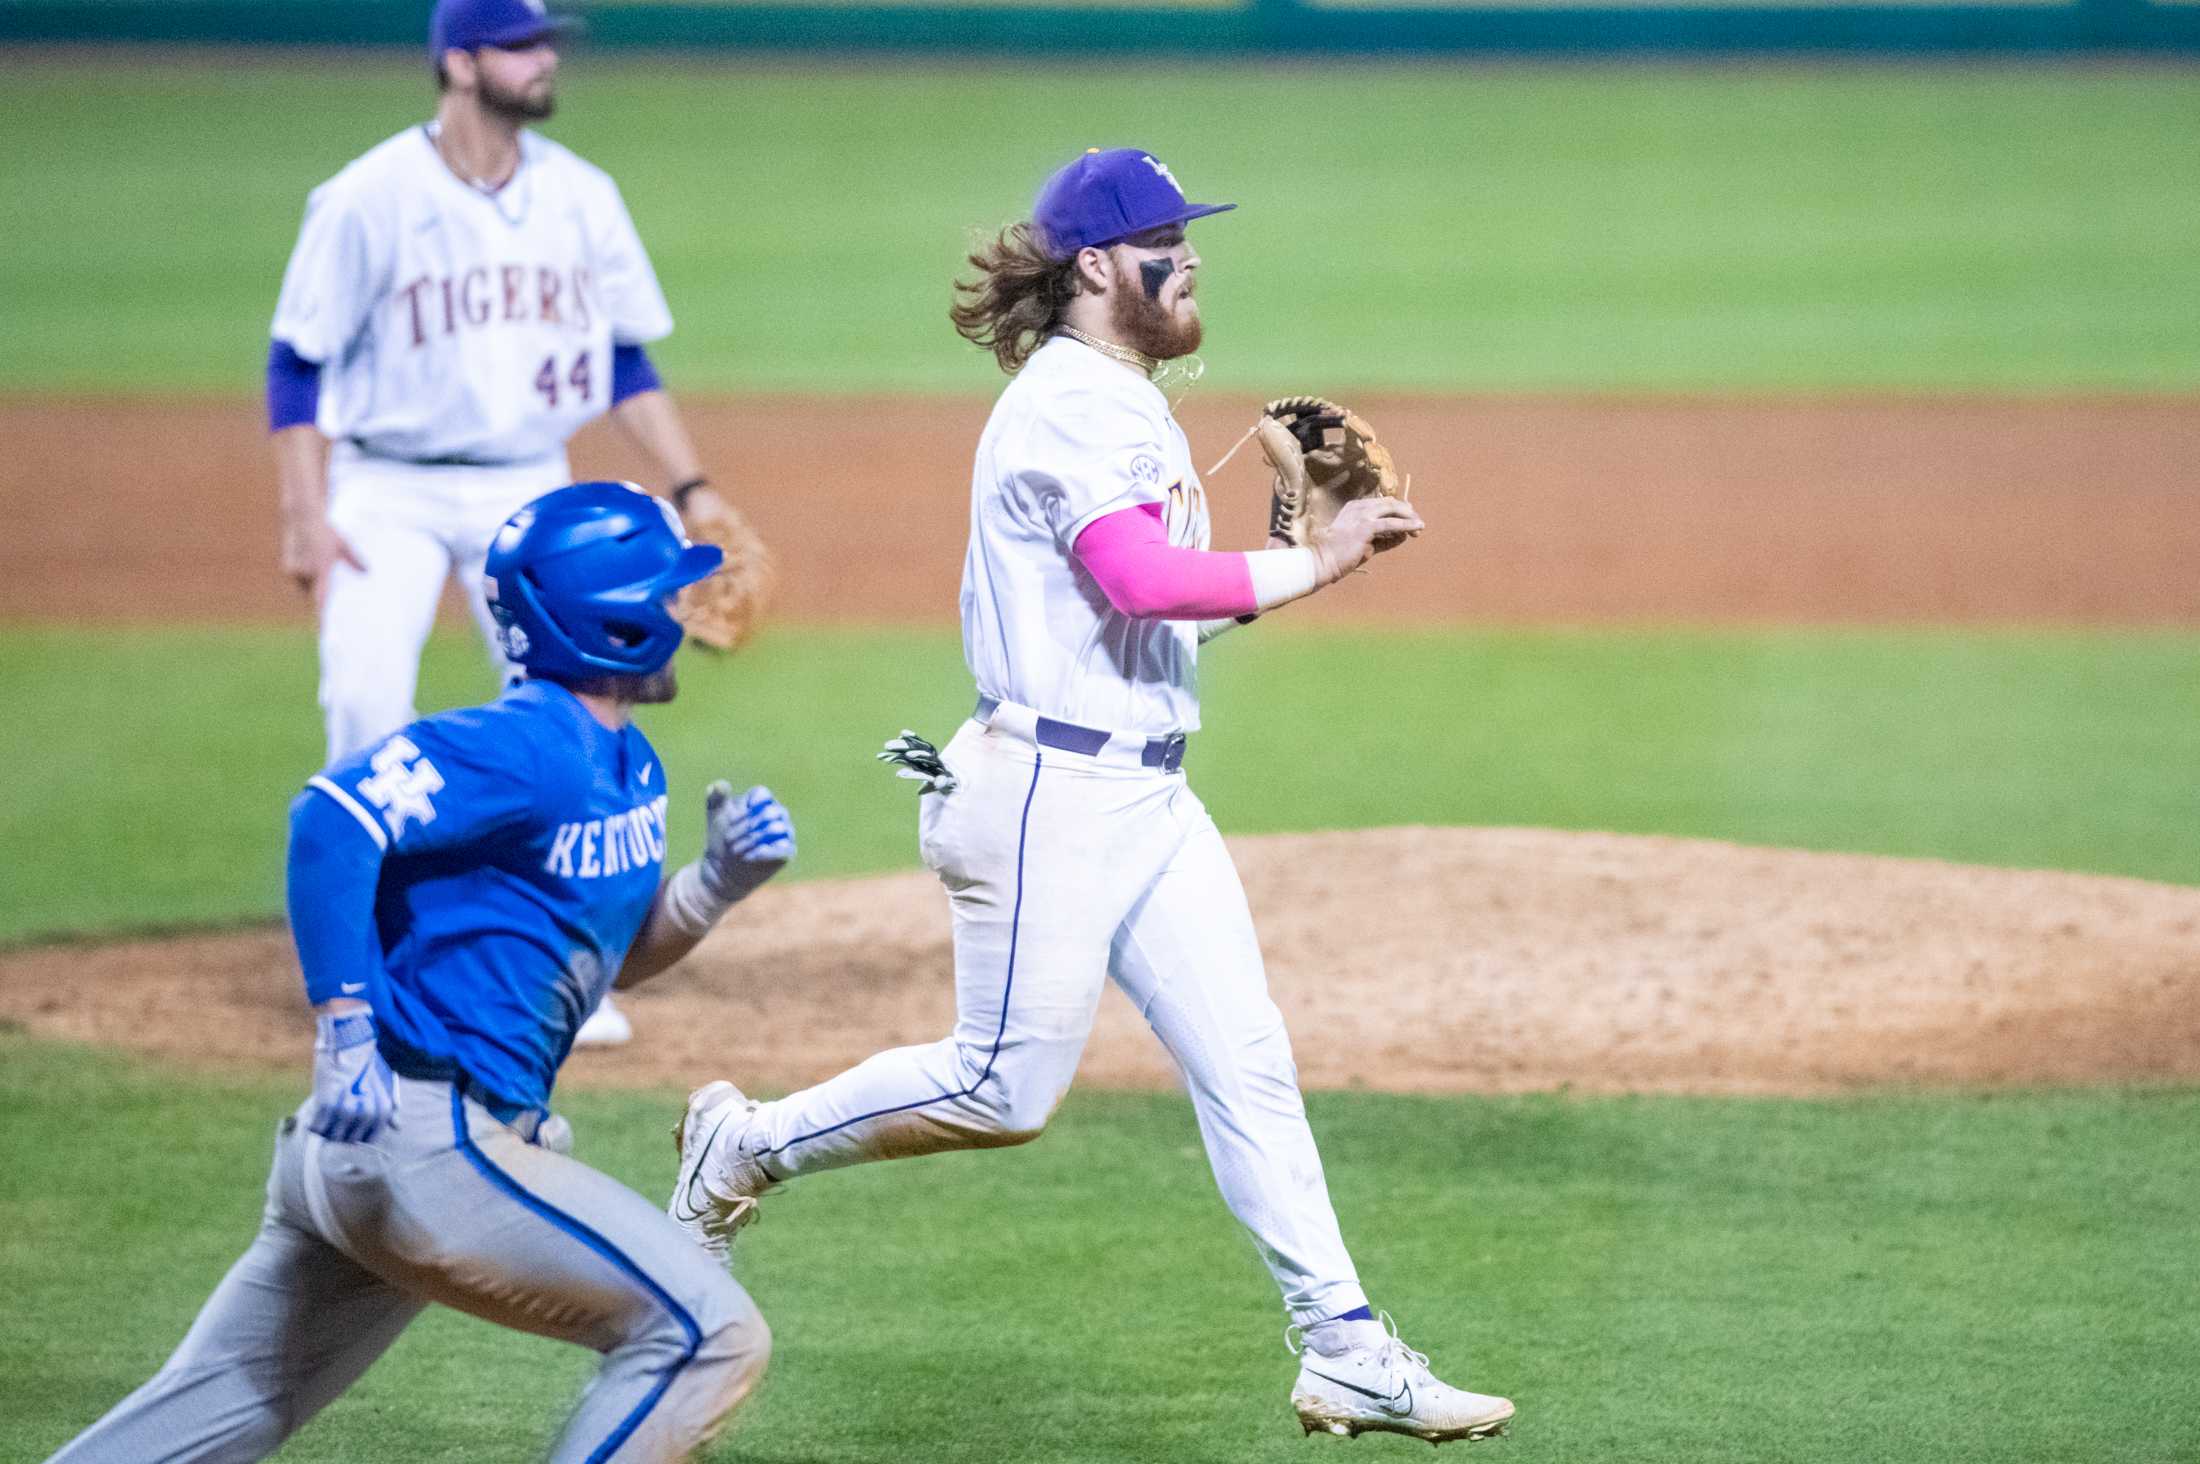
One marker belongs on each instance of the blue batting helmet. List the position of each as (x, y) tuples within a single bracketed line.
[(580, 581)]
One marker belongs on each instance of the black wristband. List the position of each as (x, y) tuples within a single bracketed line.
[(679, 495)]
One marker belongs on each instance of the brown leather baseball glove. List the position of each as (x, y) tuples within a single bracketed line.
[(1324, 456), (722, 611)]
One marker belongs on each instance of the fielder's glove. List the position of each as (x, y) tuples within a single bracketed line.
[(354, 1091), (1324, 456), (721, 610), (746, 840), (918, 761)]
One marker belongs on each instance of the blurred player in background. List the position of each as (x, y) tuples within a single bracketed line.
[(461, 891), (1072, 847), (462, 298)]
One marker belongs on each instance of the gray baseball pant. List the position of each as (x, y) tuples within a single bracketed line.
[(450, 1206)]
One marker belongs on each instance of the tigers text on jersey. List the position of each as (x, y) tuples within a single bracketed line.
[(1075, 437), (523, 845), (455, 323)]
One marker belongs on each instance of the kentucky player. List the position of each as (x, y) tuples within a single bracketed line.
[(460, 301), (1070, 844), (460, 894)]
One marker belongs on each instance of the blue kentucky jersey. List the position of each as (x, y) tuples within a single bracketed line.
[(522, 847)]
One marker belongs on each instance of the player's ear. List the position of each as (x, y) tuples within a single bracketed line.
[(457, 71), (1095, 269)]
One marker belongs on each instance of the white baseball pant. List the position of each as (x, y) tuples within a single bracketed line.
[(1063, 870), (415, 525)]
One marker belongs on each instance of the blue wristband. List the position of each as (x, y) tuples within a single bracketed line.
[(351, 1029)]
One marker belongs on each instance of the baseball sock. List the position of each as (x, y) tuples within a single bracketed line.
[(1345, 1332)]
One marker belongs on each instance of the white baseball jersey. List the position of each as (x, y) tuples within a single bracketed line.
[(1077, 436), (452, 323)]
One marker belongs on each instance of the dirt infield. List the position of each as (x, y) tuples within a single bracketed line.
[(1550, 511), (1494, 960), (1421, 960)]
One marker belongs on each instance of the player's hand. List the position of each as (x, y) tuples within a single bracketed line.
[(354, 1091), (311, 549), (746, 840), (1364, 528), (701, 501)]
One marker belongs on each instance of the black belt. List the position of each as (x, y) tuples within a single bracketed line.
[(455, 460), (1165, 753)]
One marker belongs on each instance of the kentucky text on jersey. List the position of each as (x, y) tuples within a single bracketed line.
[(607, 846), (512, 852)]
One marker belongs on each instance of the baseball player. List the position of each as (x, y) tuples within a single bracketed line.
[(1059, 818), (461, 891), (461, 300)]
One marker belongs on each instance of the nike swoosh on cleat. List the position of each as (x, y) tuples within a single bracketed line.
[(348, 987), (1389, 1402), (697, 1177)]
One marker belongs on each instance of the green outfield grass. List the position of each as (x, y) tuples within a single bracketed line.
[(1422, 226), (144, 775), (1990, 1279)]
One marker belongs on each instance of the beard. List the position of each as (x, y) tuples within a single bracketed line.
[(517, 106), (655, 689), (651, 689), (1145, 325)]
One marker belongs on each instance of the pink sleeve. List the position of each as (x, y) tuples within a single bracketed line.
[(1129, 555)]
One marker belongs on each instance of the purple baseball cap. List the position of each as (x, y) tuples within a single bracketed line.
[(467, 25), (1105, 197)]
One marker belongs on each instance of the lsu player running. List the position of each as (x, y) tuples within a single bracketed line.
[(461, 299), (1059, 818), (461, 892)]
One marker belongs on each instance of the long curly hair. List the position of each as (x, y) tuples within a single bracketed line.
[(1018, 298)]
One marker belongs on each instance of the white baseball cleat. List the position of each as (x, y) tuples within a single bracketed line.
[(606, 1026), (718, 1186), (1388, 1388)]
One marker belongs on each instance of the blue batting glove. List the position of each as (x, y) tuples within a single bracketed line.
[(354, 1091), (746, 841)]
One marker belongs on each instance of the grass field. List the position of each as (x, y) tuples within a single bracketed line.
[(1422, 227), (1991, 1279), (2051, 750), (1998, 1278)]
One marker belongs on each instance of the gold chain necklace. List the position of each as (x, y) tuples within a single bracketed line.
[(1112, 351)]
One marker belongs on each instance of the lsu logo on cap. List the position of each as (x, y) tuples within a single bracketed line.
[(1163, 169)]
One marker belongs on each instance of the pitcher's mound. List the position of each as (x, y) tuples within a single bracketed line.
[(1425, 960)]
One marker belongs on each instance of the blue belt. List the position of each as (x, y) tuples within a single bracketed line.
[(1165, 753), (522, 1116)]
